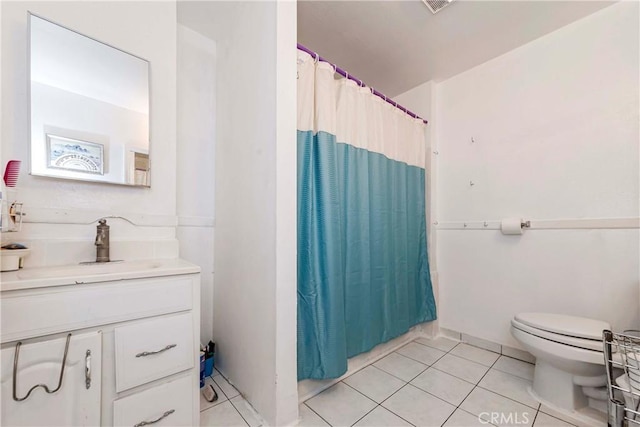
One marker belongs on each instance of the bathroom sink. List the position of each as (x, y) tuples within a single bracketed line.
[(88, 269), (93, 272)]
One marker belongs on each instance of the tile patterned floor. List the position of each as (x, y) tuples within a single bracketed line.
[(437, 382)]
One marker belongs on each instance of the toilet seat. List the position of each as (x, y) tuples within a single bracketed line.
[(573, 341), (572, 326), (542, 346)]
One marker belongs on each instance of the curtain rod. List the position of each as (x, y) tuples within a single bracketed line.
[(360, 83)]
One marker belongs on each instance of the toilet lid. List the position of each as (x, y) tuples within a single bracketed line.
[(579, 327)]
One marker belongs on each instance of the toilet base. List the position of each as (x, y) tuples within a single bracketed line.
[(557, 386), (587, 416)]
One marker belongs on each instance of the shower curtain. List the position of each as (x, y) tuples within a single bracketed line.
[(363, 270)]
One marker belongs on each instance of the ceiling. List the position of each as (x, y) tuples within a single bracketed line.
[(394, 46)]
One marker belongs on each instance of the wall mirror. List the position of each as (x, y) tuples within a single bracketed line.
[(89, 108)]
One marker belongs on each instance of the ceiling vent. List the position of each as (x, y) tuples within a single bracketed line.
[(436, 6)]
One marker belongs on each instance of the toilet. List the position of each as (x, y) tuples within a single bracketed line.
[(570, 372)]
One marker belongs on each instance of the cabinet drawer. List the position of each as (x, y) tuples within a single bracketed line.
[(37, 312), (171, 401), (153, 349)]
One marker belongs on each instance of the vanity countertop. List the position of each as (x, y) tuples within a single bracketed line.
[(76, 274)]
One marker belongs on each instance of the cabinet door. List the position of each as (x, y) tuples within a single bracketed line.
[(76, 403)]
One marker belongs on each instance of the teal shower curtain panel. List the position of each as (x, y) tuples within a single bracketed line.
[(363, 270), (363, 273)]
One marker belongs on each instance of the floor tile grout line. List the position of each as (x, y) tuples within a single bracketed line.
[(397, 415), (379, 405), (435, 348), (455, 376), (507, 397), (368, 412), (402, 379), (420, 361), (389, 373), (472, 361), (240, 413), (430, 394), (555, 417), (468, 394), (411, 358), (479, 348), (214, 403), (534, 418), (359, 419), (518, 360), (363, 393), (379, 358), (311, 409), (423, 371), (228, 382), (222, 403), (221, 390), (437, 397), (373, 361), (507, 373), (406, 357)]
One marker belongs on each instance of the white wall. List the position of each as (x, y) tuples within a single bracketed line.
[(255, 211), (555, 124), (59, 211), (286, 244), (196, 161)]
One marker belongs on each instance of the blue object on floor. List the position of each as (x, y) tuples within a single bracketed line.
[(202, 367), (208, 366)]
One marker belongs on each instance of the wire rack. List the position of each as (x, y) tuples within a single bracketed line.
[(622, 359)]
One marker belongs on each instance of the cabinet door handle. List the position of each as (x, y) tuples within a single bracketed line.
[(149, 353), (87, 369), (44, 386), (146, 423)]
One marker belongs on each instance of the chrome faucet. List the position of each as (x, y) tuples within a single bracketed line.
[(102, 241)]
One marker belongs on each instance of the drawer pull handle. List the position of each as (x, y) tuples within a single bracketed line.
[(149, 353), (146, 423), (87, 369)]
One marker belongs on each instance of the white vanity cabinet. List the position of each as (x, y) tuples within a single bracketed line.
[(133, 352)]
